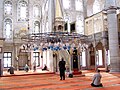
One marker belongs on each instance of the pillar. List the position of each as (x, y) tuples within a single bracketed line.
[(51, 15), (113, 36), (1, 18), (1, 39), (1, 56)]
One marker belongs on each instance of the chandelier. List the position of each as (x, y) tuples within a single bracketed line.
[(53, 41)]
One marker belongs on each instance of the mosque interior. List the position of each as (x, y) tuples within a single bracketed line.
[(86, 33)]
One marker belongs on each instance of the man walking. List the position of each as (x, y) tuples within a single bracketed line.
[(62, 69)]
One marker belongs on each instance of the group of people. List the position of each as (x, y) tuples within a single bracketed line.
[(26, 68), (96, 82)]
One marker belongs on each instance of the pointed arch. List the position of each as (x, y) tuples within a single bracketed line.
[(100, 54), (36, 27), (36, 11)]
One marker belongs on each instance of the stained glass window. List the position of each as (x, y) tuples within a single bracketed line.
[(66, 4), (78, 5), (22, 10), (8, 8), (96, 7), (8, 28), (36, 11), (36, 27)]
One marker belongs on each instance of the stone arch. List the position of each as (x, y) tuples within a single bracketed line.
[(100, 50), (99, 45)]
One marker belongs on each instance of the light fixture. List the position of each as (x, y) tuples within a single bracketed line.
[(54, 41)]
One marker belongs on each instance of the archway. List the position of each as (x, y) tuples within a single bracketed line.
[(100, 55)]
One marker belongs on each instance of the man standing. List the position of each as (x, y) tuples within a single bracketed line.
[(62, 69), (96, 82)]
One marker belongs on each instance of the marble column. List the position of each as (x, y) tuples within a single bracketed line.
[(51, 16), (113, 36), (1, 56), (1, 18)]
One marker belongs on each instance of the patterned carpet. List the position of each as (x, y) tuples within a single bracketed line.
[(52, 82)]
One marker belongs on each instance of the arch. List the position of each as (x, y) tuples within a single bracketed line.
[(36, 11), (100, 54), (60, 27), (99, 46), (36, 27)]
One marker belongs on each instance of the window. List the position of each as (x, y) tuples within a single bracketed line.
[(83, 59), (8, 8), (99, 58), (78, 5), (108, 57), (36, 11), (66, 27), (46, 5), (36, 58), (22, 10), (36, 27), (66, 4), (7, 57), (8, 28), (96, 7), (72, 27)]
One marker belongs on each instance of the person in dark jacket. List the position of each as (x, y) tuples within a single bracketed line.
[(26, 68), (62, 69), (45, 68)]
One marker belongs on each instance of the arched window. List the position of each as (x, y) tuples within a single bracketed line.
[(36, 27), (66, 4), (8, 28), (22, 10), (36, 11), (78, 5), (96, 7), (8, 8)]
